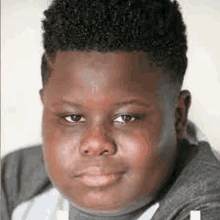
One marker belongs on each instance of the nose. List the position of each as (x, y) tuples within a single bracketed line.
[(97, 143)]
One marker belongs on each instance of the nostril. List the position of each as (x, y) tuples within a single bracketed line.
[(104, 152), (86, 151)]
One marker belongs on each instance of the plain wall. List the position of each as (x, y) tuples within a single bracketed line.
[(21, 77)]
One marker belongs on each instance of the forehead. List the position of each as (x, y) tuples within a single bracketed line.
[(109, 70), (105, 78)]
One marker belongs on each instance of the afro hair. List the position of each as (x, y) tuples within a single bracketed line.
[(152, 26)]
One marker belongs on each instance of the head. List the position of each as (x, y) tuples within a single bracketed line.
[(113, 106)]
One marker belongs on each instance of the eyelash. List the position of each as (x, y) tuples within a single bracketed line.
[(136, 118)]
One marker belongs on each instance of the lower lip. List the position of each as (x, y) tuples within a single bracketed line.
[(100, 180)]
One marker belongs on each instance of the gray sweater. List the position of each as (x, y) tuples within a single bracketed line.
[(194, 185)]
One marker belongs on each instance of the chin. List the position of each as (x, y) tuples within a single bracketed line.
[(107, 205)]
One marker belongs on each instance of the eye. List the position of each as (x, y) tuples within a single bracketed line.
[(126, 118), (74, 118)]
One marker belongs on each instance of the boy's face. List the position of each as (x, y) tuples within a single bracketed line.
[(107, 142)]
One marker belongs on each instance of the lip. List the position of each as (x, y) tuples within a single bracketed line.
[(100, 180), (99, 176)]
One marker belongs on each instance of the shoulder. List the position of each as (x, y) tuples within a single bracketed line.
[(197, 186), (202, 172), (24, 166), (23, 176), (33, 154)]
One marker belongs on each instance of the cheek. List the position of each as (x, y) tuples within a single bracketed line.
[(156, 126), (137, 148), (60, 149), (140, 145)]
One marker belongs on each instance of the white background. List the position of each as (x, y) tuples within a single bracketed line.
[(21, 77)]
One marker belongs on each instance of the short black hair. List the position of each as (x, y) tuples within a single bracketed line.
[(152, 26)]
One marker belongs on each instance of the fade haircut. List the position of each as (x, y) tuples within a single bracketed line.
[(155, 27)]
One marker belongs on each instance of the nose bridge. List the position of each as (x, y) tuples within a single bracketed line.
[(98, 140), (99, 130)]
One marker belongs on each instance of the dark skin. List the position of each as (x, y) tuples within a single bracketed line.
[(104, 154)]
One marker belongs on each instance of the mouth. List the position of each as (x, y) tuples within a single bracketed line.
[(99, 179)]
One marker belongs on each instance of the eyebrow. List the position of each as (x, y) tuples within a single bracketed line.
[(130, 102), (134, 101)]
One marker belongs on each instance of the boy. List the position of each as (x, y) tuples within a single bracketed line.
[(114, 120)]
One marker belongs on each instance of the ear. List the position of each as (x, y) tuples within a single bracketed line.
[(41, 96), (181, 112)]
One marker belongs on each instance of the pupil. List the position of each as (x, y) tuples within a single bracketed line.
[(126, 117), (75, 117)]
